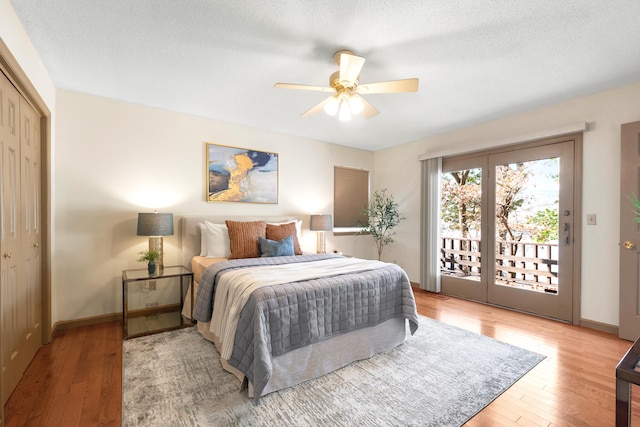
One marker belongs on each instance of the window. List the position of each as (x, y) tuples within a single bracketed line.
[(350, 195)]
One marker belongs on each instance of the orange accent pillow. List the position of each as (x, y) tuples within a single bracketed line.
[(282, 231), (243, 238)]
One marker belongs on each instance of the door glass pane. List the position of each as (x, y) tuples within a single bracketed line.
[(460, 224), (526, 227)]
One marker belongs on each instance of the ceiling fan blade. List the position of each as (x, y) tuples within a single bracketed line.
[(350, 66), (315, 109), (304, 87), (369, 110), (406, 85)]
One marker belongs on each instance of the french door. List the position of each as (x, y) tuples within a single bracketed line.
[(508, 221)]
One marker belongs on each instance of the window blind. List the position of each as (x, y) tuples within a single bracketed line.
[(350, 195)]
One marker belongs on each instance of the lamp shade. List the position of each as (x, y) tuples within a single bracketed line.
[(155, 224), (321, 223)]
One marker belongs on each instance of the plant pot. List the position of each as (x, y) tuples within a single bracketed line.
[(152, 267)]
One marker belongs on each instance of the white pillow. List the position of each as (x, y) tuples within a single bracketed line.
[(217, 237), (298, 226), (203, 239)]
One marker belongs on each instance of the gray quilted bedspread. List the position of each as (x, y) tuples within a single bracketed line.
[(280, 318)]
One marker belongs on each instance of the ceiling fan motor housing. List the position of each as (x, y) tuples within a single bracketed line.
[(339, 86)]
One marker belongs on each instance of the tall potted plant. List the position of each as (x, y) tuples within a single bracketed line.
[(383, 215)]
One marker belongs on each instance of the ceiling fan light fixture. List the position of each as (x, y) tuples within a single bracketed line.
[(331, 106), (345, 112)]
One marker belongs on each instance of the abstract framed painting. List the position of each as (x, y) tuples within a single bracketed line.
[(236, 174)]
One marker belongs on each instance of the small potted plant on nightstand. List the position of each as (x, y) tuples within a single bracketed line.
[(150, 258)]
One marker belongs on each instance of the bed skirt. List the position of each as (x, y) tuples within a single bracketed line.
[(323, 357)]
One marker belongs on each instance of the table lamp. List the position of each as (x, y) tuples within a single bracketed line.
[(321, 223), (155, 225)]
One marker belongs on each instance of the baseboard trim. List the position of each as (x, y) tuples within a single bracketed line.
[(86, 321), (599, 326)]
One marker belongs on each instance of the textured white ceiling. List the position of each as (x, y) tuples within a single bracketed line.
[(476, 59)]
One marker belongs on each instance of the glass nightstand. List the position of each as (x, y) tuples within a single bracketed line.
[(153, 303)]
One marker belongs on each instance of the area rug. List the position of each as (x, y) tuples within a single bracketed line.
[(441, 376)]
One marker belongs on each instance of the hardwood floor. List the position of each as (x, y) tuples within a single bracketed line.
[(77, 379), (573, 386)]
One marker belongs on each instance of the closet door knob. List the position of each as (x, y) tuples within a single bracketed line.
[(7, 255), (35, 245)]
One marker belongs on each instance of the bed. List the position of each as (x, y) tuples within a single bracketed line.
[(281, 320)]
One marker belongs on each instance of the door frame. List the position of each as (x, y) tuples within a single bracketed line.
[(577, 203), (16, 75)]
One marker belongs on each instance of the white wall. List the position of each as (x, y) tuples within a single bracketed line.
[(115, 159), (604, 112)]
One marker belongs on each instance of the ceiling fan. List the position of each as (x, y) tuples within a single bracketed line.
[(346, 90)]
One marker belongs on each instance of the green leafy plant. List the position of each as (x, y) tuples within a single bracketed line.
[(544, 225), (148, 256), (383, 216), (636, 206)]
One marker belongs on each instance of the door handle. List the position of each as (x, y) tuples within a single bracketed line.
[(566, 233), (628, 244), (7, 255), (36, 245)]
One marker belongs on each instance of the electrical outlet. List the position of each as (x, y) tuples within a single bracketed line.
[(591, 219), (152, 285), (151, 305)]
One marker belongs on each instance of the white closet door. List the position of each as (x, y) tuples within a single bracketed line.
[(20, 260)]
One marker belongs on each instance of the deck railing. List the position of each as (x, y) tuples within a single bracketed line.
[(527, 264)]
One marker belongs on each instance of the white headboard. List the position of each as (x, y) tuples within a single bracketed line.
[(191, 230)]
